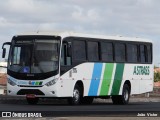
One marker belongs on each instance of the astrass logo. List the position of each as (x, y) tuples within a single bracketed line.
[(141, 70)]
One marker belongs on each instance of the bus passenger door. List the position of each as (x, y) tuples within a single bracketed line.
[(65, 68), (66, 54)]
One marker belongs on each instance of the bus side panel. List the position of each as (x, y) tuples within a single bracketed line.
[(83, 73), (140, 76), (99, 79), (134, 80), (107, 79), (66, 84), (146, 84), (102, 79)]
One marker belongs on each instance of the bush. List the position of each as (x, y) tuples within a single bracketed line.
[(157, 77)]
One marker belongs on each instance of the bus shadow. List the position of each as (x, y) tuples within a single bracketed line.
[(61, 102)]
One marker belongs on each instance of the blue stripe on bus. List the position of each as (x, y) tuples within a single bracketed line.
[(32, 83), (96, 76)]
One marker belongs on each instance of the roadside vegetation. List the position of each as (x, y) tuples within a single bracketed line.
[(157, 77), (156, 74)]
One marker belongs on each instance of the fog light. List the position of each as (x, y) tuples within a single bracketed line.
[(53, 92)]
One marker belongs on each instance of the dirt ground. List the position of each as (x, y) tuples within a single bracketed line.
[(3, 78)]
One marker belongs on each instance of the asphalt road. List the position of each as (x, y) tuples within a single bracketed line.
[(96, 109)]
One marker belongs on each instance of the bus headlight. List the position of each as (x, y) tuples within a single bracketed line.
[(11, 82), (52, 82)]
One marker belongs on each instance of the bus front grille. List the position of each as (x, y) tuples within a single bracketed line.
[(30, 86), (30, 91)]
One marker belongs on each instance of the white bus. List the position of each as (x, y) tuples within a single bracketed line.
[(79, 67)]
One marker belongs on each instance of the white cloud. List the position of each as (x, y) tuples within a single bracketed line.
[(21, 6), (78, 13), (138, 18), (3, 21)]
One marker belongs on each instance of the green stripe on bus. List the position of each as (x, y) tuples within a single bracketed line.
[(106, 79), (117, 79), (37, 83)]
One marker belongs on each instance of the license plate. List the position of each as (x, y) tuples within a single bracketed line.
[(30, 95)]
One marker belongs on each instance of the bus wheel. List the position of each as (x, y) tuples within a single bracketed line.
[(124, 98), (87, 100), (32, 101), (77, 95)]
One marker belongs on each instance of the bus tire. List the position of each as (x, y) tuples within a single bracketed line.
[(87, 100), (124, 98), (77, 96), (32, 101)]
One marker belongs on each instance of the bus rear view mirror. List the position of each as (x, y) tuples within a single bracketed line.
[(4, 49), (4, 53)]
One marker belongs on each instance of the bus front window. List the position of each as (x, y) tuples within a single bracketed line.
[(34, 56)]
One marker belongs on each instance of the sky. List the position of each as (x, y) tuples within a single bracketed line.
[(130, 18)]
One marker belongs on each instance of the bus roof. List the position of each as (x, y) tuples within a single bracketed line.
[(74, 34)]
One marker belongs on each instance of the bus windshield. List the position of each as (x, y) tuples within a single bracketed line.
[(34, 56)]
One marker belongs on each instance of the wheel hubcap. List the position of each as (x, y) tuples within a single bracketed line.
[(126, 95), (76, 95)]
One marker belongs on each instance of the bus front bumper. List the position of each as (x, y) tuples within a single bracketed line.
[(42, 91)]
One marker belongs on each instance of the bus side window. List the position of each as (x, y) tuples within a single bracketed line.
[(149, 53), (132, 53), (79, 51), (66, 54), (107, 52), (143, 53), (93, 51), (120, 55)]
